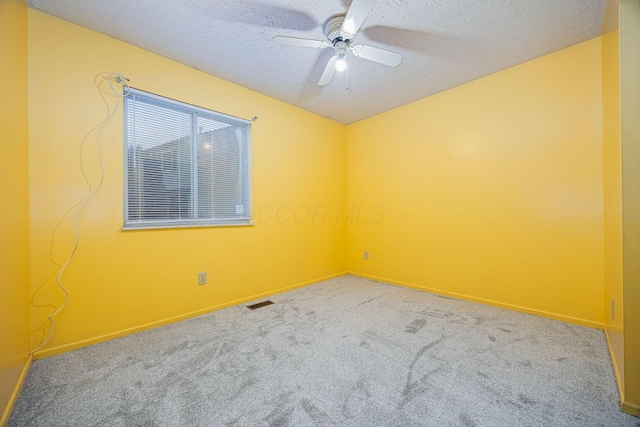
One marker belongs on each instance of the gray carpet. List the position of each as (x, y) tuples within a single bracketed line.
[(346, 352)]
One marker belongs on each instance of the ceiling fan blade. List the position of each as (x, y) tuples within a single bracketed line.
[(295, 41), (378, 55), (328, 73), (355, 17)]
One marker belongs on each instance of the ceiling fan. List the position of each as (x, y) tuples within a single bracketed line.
[(339, 30)]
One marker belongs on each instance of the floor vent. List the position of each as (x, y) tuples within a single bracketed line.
[(259, 305)]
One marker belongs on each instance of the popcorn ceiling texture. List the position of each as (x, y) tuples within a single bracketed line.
[(345, 352), (444, 43)]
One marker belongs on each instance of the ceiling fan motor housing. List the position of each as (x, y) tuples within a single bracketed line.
[(331, 28)]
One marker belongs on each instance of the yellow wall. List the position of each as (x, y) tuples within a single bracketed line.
[(123, 280), (612, 188), (630, 141), (490, 191), (14, 214)]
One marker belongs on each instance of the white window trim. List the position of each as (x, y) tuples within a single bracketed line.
[(244, 221)]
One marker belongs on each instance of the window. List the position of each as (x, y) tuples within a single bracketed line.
[(184, 165)]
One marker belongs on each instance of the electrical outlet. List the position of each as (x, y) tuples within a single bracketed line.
[(202, 278), (366, 254)]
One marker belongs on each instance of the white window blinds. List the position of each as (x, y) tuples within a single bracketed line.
[(184, 165)]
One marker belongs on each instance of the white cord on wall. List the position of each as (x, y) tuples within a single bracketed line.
[(111, 78)]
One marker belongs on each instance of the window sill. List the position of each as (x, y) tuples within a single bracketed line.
[(172, 227)]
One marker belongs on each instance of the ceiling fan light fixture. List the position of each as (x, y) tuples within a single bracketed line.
[(341, 65)]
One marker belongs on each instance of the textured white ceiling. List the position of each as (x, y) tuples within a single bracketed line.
[(444, 43)]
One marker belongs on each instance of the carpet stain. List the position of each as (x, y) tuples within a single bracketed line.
[(492, 338), (356, 399), (282, 419), (482, 374), (319, 417), (175, 348), (134, 414), (532, 339), (271, 353), (435, 314), (460, 320), (247, 348), (410, 390), (369, 300), (280, 416), (467, 421), (478, 321), (415, 326), (243, 387), (526, 400), (571, 329)]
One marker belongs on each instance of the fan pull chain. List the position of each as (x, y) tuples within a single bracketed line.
[(347, 75)]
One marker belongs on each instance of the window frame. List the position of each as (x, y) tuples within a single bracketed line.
[(244, 221)]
